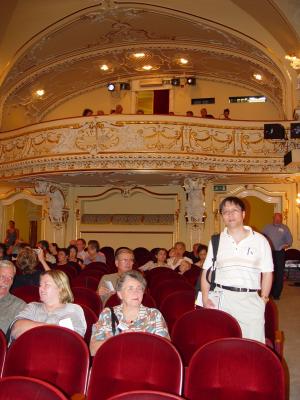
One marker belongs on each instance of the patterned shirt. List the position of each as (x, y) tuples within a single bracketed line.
[(148, 320)]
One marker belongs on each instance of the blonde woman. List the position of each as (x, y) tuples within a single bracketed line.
[(56, 307)]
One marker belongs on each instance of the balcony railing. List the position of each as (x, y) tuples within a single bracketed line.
[(142, 142)]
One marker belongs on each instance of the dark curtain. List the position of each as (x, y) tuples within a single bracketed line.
[(32, 233), (161, 102)]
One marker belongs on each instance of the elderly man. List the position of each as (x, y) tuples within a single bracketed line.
[(124, 260), (10, 305), (280, 239)]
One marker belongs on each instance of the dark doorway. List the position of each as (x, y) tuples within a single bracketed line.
[(161, 102)]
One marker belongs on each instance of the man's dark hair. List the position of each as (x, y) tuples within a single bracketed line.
[(94, 244), (233, 200), (44, 244)]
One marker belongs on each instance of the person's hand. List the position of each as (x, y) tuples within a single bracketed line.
[(104, 291), (40, 255), (208, 304)]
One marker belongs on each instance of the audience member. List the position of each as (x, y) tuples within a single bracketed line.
[(27, 262), (225, 114), (87, 112), (81, 244), (171, 113), (204, 113), (130, 316), (189, 114), (93, 253), (3, 255), (12, 235), (179, 258), (56, 307), (72, 256), (53, 249), (100, 112), (44, 245), (124, 260), (10, 305), (119, 109), (202, 252), (194, 254), (140, 112), (160, 260)]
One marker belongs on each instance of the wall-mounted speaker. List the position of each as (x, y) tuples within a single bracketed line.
[(274, 131)]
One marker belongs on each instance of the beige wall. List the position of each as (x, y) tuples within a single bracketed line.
[(101, 99)]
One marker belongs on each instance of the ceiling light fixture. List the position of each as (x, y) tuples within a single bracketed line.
[(147, 67), (40, 92), (295, 61), (183, 61), (104, 67), (139, 55), (257, 76)]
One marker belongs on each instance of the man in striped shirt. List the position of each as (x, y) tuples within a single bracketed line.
[(244, 267)]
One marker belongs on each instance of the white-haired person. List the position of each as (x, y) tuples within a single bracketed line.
[(130, 316), (56, 307)]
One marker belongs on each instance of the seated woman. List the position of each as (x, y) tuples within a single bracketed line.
[(130, 316), (27, 261), (73, 259), (56, 307), (160, 260), (202, 252)]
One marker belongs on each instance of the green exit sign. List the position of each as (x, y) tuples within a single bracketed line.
[(220, 188)]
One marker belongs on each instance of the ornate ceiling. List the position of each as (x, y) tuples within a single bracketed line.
[(64, 58)]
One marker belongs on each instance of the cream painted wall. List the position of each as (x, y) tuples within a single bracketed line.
[(101, 99)]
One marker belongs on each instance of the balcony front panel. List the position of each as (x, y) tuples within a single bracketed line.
[(142, 142)]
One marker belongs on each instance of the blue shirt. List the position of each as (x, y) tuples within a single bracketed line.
[(278, 235)]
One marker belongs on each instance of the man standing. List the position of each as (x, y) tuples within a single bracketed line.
[(10, 305), (280, 238), (243, 267)]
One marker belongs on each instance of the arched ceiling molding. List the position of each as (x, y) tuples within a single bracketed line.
[(205, 37)]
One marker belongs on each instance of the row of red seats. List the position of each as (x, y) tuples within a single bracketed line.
[(221, 369)]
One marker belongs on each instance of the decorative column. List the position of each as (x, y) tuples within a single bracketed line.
[(194, 208)]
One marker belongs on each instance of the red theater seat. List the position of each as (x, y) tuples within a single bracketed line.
[(27, 293), (3, 348), (135, 361), (235, 369), (198, 327), (53, 354), (24, 388), (87, 297), (145, 395)]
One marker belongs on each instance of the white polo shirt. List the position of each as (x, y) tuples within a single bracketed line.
[(241, 264)]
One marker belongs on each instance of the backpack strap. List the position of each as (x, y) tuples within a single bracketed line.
[(215, 240), (114, 321)]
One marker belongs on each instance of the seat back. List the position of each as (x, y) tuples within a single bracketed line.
[(175, 305), (87, 297), (135, 361), (91, 318), (3, 348), (53, 354), (27, 293), (145, 395), (98, 266), (235, 368), (192, 275), (274, 337), (85, 281), (292, 254), (165, 288), (25, 388), (198, 327)]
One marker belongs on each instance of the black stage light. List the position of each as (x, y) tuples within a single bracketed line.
[(274, 131), (295, 130), (111, 87), (191, 80), (124, 86), (175, 81)]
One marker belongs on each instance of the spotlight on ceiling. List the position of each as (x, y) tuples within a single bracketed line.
[(124, 86), (191, 80), (175, 81), (111, 87)]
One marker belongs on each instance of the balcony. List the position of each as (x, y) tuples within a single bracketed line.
[(142, 143)]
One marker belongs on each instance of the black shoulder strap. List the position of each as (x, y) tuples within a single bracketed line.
[(114, 321), (215, 240)]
